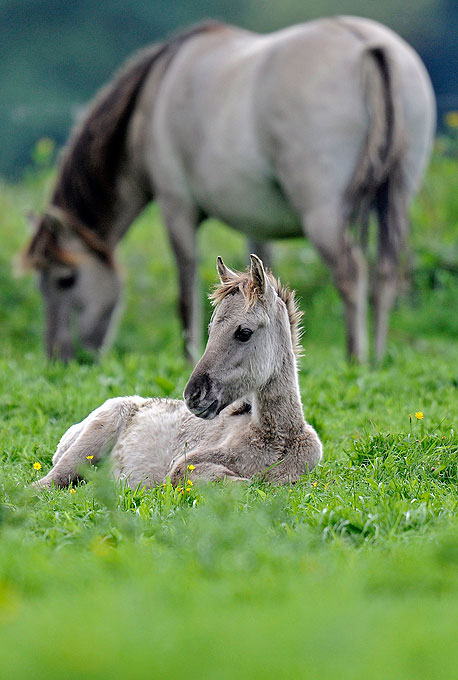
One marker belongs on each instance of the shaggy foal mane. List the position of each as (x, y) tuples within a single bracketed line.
[(243, 282)]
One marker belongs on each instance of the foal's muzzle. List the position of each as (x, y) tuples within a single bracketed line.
[(201, 396)]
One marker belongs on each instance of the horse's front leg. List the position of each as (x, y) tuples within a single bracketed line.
[(348, 266), (193, 467), (263, 249), (181, 220)]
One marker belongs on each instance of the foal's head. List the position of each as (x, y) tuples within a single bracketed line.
[(254, 330), (79, 282)]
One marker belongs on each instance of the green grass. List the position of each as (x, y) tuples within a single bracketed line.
[(351, 573)]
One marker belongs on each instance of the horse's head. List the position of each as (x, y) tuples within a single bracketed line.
[(79, 282), (255, 323)]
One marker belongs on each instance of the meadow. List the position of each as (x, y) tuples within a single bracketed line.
[(351, 573)]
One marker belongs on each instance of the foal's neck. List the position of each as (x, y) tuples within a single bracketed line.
[(277, 407)]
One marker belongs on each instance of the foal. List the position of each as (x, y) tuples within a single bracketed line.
[(242, 412)]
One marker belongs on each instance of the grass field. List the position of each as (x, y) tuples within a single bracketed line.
[(351, 573)]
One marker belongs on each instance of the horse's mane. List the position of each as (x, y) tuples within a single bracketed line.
[(85, 191), (90, 164), (243, 282)]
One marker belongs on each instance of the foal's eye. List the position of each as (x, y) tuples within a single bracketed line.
[(243, 334), (64, 282)]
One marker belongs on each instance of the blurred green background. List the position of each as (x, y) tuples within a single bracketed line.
[(54, 55)]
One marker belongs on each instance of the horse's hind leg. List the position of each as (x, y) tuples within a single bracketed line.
[(325, 229), (393, 226), (88, 442)]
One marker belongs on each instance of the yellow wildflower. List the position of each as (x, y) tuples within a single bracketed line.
[(188, 489), (72, 490), (89, 457), (326, 486), (291, 491), (419, 415), (451, 119), (189, 483), (37, 466), (315, 484), (191, 467)]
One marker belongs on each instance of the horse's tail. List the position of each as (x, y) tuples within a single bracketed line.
[(378, 181)]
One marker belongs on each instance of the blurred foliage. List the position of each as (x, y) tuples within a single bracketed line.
[(55, 55)]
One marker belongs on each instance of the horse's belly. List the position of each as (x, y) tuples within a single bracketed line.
[(148, 444), (254, 205)]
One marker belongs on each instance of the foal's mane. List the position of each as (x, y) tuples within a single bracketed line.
[(243, 282)]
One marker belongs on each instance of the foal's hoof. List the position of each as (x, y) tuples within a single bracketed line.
[(41, 484)]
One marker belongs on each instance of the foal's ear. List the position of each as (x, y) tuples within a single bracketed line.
[(224, 273), (258, 274)]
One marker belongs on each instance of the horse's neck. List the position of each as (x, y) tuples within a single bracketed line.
[(115, 212), (277, 408), (131, 199)]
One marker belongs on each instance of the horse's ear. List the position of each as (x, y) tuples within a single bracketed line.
[(45, 228), (55, 224), (258, 275), (34, 254), (224, 273)]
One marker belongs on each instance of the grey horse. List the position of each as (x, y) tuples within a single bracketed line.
[(307, 131)]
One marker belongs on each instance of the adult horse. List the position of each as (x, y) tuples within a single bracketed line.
[(303, 131)]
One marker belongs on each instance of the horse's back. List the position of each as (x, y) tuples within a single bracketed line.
[(244, 122), (314, 108)]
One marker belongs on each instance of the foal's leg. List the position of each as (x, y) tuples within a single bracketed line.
[(325, 229), (68, 439), (204, 470), (88, 442), (182, 221)]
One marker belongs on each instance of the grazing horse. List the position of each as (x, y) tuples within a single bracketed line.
[(242, 414), (304, 131)]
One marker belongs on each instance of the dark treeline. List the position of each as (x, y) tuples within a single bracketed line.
[(55, 54)]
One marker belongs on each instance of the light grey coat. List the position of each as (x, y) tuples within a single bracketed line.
[(300, 132)]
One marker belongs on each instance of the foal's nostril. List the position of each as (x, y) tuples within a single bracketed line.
[(197, 388)]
